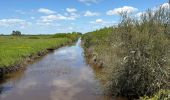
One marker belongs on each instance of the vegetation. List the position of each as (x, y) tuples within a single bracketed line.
[(16, 33), (134, 54), (13, 50), (72, 35), (161, 95)]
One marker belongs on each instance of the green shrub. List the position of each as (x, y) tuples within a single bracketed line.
[(135, 54), (161, 95), (72, 36)]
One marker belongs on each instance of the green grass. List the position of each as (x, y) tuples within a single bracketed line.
[(13, 50)]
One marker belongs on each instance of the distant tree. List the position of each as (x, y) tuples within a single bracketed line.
[(16, 33), (77, 33)]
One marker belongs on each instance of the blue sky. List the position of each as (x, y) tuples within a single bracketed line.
[(53, 16)]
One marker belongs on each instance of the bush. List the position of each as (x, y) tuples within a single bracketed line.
[(161, 95), (135, 54), (72, 36)]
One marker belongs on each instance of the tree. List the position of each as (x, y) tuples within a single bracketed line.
[(16, 33)]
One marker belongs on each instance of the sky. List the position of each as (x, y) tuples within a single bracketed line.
[(58, 16)]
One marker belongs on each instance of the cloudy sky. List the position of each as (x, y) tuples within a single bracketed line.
[(52, 16)]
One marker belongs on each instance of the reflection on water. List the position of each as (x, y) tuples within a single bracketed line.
[(61, 75)]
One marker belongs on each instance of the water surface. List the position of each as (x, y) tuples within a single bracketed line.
[(60, 75)]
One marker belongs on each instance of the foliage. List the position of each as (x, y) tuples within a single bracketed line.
[(161, 95), (16, 33), (135, 54), (72, 35)]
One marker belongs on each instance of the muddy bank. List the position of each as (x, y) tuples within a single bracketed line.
[(28, 60), (92, 57)]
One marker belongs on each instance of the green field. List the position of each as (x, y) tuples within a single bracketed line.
[(13, 49)]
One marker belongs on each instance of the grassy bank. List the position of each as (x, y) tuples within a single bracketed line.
[(134, 55), (14, 49)]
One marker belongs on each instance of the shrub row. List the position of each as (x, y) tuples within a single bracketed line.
[(135, 53)]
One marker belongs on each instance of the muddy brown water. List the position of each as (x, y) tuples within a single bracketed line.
[(60, 75)]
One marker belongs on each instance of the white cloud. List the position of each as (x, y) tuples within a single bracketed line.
[(139, 14), (89, 13), (58, 17), (154, 9), (72, 14), (117, 11), (89, 2), (98, 21), (14, 23), (46, 11), (48, 24), (71, 10), (165, 5), (51, 18), (101, 22)]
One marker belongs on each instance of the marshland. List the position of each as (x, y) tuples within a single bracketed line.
[(127, 58)]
